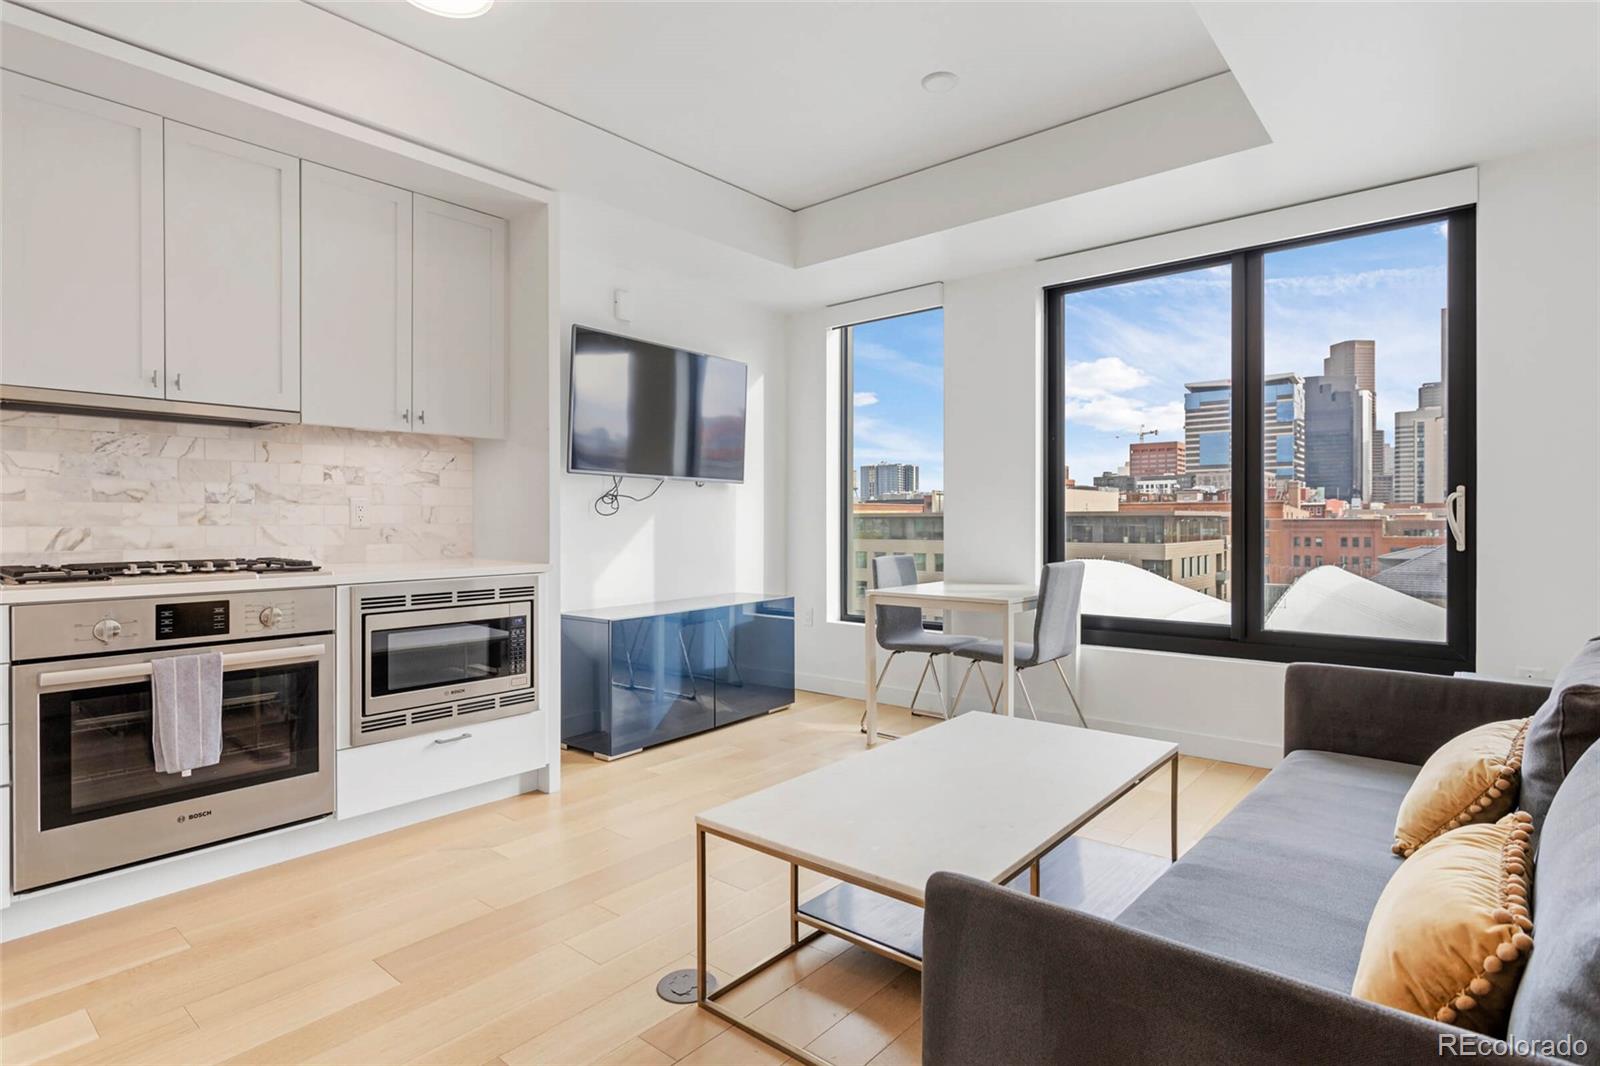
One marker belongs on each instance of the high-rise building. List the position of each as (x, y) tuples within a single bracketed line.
[(1339, 448), (1354, 359), (1155, 459), (1419, 449), (1208, 434), (886, 480)]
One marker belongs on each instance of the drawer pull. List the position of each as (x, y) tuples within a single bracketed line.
[(452, 740)]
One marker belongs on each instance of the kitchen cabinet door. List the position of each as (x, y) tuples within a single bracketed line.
[(81, 181), (458, 320), (355, 334), (233, 271)]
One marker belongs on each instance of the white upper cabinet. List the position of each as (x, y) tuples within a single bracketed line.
[(458, 320), (233, 272), (81, 180), (355, 338)]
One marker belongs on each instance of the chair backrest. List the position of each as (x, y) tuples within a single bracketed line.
[(893, 571), (1055, 622)]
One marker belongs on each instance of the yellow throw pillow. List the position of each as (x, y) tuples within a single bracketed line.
[(1472, 778), (1451, 933)]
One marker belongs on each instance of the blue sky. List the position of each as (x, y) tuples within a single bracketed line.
[(899, 393), (1130, 348)]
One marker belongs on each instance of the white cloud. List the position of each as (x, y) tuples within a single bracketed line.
[(1112, 413), (865, 399), (1097, 377), (890, 361)]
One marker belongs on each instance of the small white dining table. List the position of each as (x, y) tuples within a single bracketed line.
[(1008, 601)]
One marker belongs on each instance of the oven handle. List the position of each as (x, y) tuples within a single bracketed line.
[(133, 671)]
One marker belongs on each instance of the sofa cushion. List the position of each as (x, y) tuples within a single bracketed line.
[(1472, 778), (1560, 991), (1288, 880), (1562, 730), (1451, 933)]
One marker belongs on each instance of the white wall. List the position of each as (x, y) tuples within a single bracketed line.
[(1538, 514), (686, 540), (1538, 384)]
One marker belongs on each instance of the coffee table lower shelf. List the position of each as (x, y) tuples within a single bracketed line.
[(1100, 879)]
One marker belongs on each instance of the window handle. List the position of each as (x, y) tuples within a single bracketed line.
[(1455, 516)]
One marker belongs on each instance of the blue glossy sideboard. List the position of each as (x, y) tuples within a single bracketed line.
[(636, 676)]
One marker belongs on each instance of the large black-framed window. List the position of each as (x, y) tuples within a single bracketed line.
[(891, 449), (1268, 453)]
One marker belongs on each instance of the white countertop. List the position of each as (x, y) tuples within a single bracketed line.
[(330, 575)]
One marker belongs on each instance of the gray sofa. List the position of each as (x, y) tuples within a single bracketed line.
[(1244, 951)]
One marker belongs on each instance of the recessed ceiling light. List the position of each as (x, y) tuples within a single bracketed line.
[(453, 9), (940, 81)]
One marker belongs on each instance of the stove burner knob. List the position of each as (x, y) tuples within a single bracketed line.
[(106, 630), (271, 616)]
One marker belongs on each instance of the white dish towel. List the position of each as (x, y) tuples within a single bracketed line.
[(187, 723)]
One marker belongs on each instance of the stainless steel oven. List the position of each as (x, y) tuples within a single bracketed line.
[(431, 654), (87, 796)]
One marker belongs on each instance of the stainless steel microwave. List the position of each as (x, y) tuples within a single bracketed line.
[(433, 654)]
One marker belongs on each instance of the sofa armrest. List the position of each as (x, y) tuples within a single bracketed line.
[(1391, 714), (1010, 979)]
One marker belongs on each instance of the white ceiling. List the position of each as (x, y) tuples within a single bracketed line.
[(802, 102)]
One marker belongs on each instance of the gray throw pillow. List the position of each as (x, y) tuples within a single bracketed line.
[(1559, 997), (1562, 730)]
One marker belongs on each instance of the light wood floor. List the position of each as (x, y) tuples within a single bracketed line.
[(532, 930)]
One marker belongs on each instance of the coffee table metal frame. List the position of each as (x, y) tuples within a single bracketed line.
[(821, 926)]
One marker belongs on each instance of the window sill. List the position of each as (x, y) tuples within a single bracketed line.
[(1331, 650)]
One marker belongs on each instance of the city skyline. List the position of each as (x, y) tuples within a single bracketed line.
[(898, 393), (1131, 348)]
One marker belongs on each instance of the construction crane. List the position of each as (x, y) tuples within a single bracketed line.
[(1142, 434)]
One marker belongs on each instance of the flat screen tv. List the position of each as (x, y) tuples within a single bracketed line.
[(647, 410)]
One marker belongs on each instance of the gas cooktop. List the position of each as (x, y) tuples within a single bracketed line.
[(168, 568)]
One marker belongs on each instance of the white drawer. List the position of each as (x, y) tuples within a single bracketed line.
[(5, 694), (5, 634), (377, 776), (5, 755)]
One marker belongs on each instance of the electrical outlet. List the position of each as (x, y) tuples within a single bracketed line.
[(358, 514), (809, 617)]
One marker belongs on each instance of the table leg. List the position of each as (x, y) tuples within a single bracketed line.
[(944, 689), (1008, 667), (699, 914), (1174, 808), (794, 903), (871, 629)]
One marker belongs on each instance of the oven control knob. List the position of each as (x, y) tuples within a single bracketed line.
[(106, 630), (271, 616)]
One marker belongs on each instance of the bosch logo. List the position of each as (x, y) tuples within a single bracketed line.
[(192, 817)]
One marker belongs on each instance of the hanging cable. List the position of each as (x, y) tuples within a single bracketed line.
[(609, 502)]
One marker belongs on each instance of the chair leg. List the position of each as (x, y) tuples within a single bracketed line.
[(956, 706), (878, 685), (920, 679), (994, 698), (1074, 696), (944, 705), (1022, 688)]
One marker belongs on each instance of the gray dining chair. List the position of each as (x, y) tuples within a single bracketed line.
[(900, 629), (1055, 636)]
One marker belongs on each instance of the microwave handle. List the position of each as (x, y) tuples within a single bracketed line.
[(133, 671)]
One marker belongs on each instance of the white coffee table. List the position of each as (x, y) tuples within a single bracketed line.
[(982, 795)]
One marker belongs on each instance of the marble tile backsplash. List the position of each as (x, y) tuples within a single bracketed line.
[(85, 486)]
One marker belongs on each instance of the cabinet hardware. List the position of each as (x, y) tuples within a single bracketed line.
[(155, 379), (452, 740), (177, 382), (405, 416), (422, 417)]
